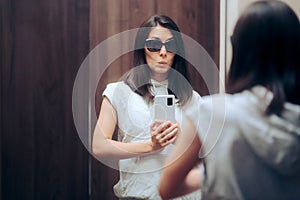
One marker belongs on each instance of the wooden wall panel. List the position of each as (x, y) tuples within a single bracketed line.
[(208, 29), (5, 40), (44, 44), (198, 19)]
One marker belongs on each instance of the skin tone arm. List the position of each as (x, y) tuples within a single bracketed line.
[(179, 177), (104, 147)]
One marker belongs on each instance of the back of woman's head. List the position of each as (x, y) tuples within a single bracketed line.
[(266, 47)]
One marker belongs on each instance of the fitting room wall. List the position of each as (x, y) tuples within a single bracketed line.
[(42, 44)]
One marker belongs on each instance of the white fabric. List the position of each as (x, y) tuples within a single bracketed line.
[(159, 87), (139, 176), (249, 155)]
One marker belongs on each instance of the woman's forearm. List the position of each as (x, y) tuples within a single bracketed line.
[(178, 176), (105, 148), (110, 149), (190, 184)]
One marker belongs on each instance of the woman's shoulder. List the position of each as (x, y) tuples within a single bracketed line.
[(234, 106), (238, 99), (196, 95), (118, 84), (195, 98), (193, 101), (120, 88)]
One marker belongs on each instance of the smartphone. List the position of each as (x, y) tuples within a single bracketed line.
[(164, 107)]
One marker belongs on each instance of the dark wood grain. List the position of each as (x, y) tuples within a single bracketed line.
[(42, 155)]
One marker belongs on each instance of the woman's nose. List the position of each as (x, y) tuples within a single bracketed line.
[(163, 51)]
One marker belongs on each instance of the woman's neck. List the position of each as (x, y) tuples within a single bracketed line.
[(159, 78)]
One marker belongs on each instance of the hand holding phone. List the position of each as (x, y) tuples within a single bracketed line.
[(163, 133)]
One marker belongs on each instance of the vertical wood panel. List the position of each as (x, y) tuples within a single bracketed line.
[(208, 18), (42, 155), (5, 55), (17, 127), (197, 19), (200, 21)]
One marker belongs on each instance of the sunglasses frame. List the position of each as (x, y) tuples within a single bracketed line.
[(161, 45)]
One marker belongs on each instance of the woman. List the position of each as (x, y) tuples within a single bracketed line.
[(142, 147), (257, 154)]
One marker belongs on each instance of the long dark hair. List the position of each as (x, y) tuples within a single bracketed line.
[(178, 78), (266, 47)]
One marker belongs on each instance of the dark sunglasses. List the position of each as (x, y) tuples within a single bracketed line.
[(155, 45)]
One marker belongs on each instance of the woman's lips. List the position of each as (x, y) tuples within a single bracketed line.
[(162, 63)]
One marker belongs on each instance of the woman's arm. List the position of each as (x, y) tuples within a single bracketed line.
[(104, 147), (179, 177)]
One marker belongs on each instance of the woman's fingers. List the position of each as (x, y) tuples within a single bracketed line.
[(161, 126), (167, 142), (164, 132), (156, 124), (168, 135)]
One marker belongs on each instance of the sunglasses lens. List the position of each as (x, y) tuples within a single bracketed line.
[(153, 45), (171, 46)]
